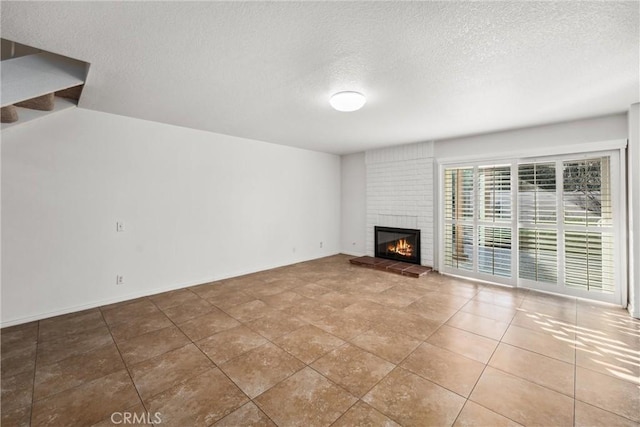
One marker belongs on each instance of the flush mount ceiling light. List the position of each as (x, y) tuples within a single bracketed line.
[(347, 101)]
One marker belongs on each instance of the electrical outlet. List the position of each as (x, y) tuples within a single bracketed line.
[(119, 280), (294, 249), (321, 244), (119, 226)]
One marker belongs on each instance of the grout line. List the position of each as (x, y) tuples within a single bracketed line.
[(35, 368), (124, 363)]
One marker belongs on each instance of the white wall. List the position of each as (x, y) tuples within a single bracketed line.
[(196, 206), (633, 191), (353, 203), (535, 139)]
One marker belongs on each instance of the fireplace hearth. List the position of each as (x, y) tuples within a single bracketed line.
[(398, 244)]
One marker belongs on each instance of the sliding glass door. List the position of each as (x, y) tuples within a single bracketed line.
[(545, 224), (478, 221)]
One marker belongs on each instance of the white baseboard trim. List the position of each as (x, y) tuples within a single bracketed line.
[(146, 293)]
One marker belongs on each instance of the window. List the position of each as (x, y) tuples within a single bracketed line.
[(546, 224), (478, 219)]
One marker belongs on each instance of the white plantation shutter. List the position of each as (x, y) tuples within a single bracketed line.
[(537, 212), (478, 211), (458, 247), (588, 220), (494, 220), (560, 237)]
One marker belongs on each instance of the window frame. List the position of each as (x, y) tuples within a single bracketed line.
[(615, 150)]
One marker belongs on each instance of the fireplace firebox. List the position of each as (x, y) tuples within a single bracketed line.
[(399, 244)]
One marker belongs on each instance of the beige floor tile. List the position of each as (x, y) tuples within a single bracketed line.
[(173, 298), (207, 325), (443, 299), (343, 325), (152, 344), (312, 290), (249, 311), (199, 401), (445, 368), (283, 300), (189, 310), (88, 403), (248, 415), (353, 368), (311, 310), (261, 368), (208, 290), (410, 324), (362, 414), (590, 416), (275, 324), (230, 343), (492, 311), (369, 310), (530, 378), (411, 400), (76, 370), (522, 401), (311, 400), (70, 324), (17, 391), (128, 312), (16, 417), (534, 367), (615, 360), (555, 345), (338, 300), (565, 312), (386, 343), (72, 345), (127, 330), (142, 417), (474, 415), (479, 325), (465, 343), (430, 310), (162, 372), (18, 357), (608, 393), (543, 323), (503, 298), (308, 343), (391, 298), (229, 298), (24, 333)]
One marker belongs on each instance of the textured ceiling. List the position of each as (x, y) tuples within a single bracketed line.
[(265, 70)]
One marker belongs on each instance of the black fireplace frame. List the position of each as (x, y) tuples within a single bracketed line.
[(416, 259)]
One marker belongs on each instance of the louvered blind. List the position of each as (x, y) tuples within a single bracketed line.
[(588, 217), (458, 231), (538, 255)]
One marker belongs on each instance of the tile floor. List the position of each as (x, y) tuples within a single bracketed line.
[(326, 343)]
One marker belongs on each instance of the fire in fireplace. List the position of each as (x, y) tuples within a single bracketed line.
[(400, 244)]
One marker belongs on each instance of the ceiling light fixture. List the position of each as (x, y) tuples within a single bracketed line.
[(347, 101)]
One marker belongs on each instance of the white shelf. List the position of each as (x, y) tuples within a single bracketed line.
[(26, 115), (31, 76)]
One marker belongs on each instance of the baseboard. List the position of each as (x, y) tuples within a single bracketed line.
[(149, 292)]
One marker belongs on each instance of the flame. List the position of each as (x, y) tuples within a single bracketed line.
[(401, 247)]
